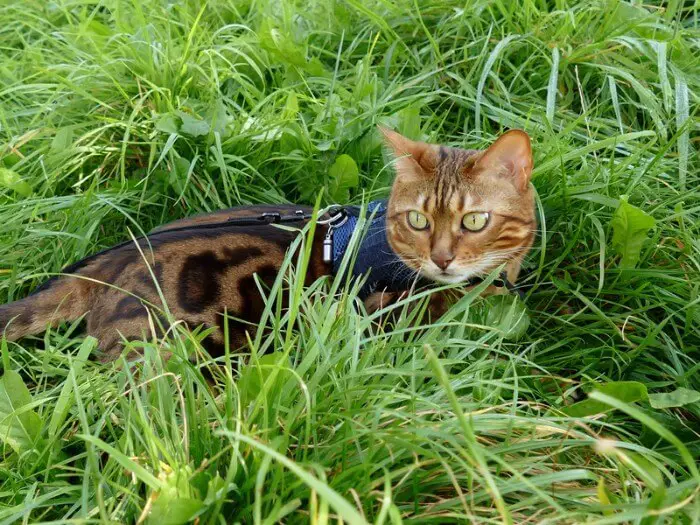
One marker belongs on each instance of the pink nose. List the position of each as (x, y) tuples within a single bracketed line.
[(442, 261)]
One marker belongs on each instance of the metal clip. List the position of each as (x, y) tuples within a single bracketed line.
[(271, 216), (338, 217), (328, 246)]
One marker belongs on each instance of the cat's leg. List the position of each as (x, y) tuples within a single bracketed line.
[(113, 321), (513, 269), (438, 302), (380, 300)]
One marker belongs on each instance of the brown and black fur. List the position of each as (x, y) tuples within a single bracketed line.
[(202, 267), (201, 272)]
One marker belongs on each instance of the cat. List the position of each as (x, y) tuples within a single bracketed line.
[(452, 214)]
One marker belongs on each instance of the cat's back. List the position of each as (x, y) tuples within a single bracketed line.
[(195, 269)]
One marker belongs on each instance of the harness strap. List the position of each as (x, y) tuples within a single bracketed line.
[(273, 217), (503, 282), (270, 217), (255, 220), (333, 250)]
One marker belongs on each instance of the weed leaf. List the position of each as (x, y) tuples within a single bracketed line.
[(509, 314), (344, 176), (62, 140), (193, 126), (167, 123), (678, 398), (11, 179), (18, 428), (630, 227), (174, 504), (625, 391)]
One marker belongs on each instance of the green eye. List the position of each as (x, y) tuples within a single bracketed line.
[(417, 220), (475, 222)]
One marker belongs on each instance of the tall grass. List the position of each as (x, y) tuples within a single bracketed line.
[(119, 116)]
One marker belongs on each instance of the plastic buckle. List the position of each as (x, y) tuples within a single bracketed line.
[(271, 217)]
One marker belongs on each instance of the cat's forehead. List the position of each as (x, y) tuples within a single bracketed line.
[(451, 192), (450, 200)]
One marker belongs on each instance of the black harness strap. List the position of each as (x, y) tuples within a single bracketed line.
[(253, 220), (263, 219), (503, 282)]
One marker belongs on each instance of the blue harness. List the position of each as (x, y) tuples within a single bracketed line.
[(375, 257)]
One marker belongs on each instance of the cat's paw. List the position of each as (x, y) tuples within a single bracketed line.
[(379, 300)]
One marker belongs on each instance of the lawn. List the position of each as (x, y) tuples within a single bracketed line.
[(579, 403)]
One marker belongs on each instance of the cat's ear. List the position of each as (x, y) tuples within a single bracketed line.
[(510, 156), (414, 159)]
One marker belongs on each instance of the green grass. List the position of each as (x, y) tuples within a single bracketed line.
[(117, 116)]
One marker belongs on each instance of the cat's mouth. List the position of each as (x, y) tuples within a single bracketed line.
[(447, 276), (465, 269), (453, 274)]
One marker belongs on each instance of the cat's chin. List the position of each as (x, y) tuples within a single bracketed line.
[(448, 278)]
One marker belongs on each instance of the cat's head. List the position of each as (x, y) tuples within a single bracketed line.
[(454, 214)]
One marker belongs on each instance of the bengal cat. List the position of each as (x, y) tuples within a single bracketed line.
[(452, 214)]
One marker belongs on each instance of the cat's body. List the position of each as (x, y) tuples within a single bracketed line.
[(201, 272), (453, 214)]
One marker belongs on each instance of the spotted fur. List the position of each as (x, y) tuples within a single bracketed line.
[(196, 273)]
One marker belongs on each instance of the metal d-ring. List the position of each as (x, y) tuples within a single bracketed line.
[(341, 216)]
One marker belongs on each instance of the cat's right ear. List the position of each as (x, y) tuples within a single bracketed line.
[(413, 159), (509, 156)]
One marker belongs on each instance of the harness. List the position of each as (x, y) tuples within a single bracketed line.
[(375, 258)]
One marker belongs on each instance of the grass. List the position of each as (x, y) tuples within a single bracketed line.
[(116, 117)]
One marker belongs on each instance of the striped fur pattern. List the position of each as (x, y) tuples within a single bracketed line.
[(197, 274)]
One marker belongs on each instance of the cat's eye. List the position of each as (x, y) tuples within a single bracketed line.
[(476, 221), (417, 220)]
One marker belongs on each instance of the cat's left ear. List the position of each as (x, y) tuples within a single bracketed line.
[(511, 156)]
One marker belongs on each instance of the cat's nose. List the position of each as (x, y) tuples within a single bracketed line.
[(442, 260)]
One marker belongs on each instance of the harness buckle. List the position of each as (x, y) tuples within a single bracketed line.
[(271, 216), (503, 282)]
